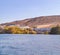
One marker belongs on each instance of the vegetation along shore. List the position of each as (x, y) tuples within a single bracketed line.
[(37, 25)]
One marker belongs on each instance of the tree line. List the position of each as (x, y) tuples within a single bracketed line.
[(17, 30)]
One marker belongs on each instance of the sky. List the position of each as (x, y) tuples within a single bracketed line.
[(12, 10)]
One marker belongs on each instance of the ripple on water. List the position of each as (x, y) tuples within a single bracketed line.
[(29, 45)]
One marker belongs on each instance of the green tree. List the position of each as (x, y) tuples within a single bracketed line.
[(55, 30)]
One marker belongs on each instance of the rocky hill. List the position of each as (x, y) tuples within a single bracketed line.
[(39, 22)]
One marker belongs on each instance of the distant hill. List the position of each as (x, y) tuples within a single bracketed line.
[(39, 22)]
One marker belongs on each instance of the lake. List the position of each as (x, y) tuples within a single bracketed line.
[(35, 44)]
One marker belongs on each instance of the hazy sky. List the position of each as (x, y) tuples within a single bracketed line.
[(11, 10)]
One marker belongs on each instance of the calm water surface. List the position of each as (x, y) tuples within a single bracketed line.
[(29, 44)]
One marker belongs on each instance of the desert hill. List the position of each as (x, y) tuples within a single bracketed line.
[(43, 21)]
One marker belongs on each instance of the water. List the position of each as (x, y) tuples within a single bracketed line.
[(29, 44)]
